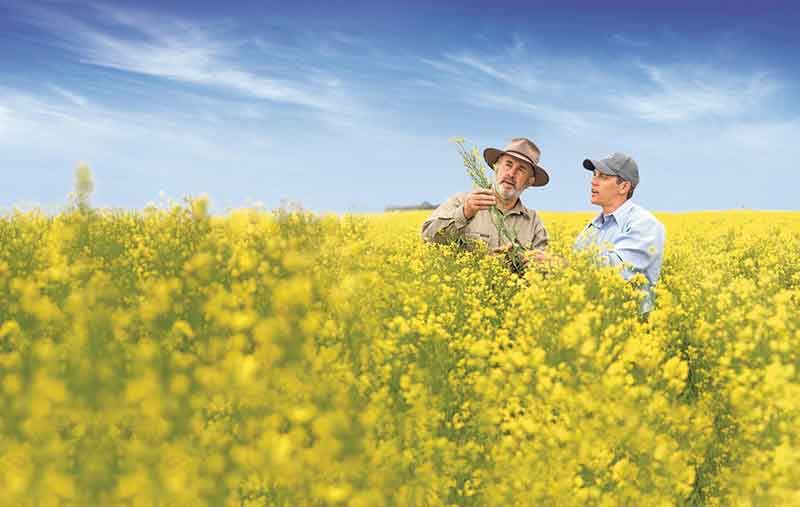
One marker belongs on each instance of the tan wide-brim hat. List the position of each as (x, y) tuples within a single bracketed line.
[(522, 149)]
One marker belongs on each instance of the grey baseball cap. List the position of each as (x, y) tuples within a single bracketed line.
[(617, 164)]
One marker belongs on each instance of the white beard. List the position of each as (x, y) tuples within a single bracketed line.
[(506, 192)]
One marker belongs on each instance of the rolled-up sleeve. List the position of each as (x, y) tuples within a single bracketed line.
[(446, 222)]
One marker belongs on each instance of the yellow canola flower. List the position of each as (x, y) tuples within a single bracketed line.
[(284, 358)]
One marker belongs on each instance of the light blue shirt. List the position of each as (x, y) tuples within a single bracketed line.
[(630, 236)]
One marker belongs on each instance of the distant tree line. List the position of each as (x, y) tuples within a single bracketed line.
[(422, 205)]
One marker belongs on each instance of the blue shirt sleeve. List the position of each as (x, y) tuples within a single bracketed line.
[(639, 245)]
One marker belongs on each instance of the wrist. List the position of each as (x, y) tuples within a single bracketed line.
[(462, 218), (468, 212)]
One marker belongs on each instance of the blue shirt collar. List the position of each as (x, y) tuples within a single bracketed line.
[(618, 214)]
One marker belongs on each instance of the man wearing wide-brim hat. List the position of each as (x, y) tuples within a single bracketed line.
[(466, 215)]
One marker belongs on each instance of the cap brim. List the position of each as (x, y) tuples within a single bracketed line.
[(540, 176), (591, 165)]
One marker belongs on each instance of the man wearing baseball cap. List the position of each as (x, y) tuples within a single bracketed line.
[(625, 233), (466, 215)]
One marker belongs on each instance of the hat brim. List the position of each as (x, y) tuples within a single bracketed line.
[(540, 176), (591, 165)]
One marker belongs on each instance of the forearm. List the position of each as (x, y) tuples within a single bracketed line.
[(538, 243)]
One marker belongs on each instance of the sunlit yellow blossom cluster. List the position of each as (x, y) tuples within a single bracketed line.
[(169, 357)]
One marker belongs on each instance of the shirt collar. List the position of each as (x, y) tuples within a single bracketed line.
[(519, 209), (618, 214), (623, 210)]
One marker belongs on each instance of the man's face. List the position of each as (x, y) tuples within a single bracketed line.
[(606, 190), (512, 176)]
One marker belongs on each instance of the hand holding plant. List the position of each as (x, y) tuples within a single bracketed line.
[(476, 170)]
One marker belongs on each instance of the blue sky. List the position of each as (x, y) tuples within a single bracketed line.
[(348, 106)]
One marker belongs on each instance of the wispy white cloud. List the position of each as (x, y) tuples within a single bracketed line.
[(24, 111), (72, 97), (482, 66), (690, 92), (517, 46), (776, 138), (178, 50), (628, 40), (567, 119), (67, 131), (5, 118), (423, 83), (574, 92), (348, 39), (443, 67), (507, 81), (510, 67)]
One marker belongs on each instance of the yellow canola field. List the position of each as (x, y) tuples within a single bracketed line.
[(169, 358)]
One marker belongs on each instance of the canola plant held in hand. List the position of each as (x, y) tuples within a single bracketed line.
[(166, 357)]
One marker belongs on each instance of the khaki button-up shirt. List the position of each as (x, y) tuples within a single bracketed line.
[(448, 223)]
